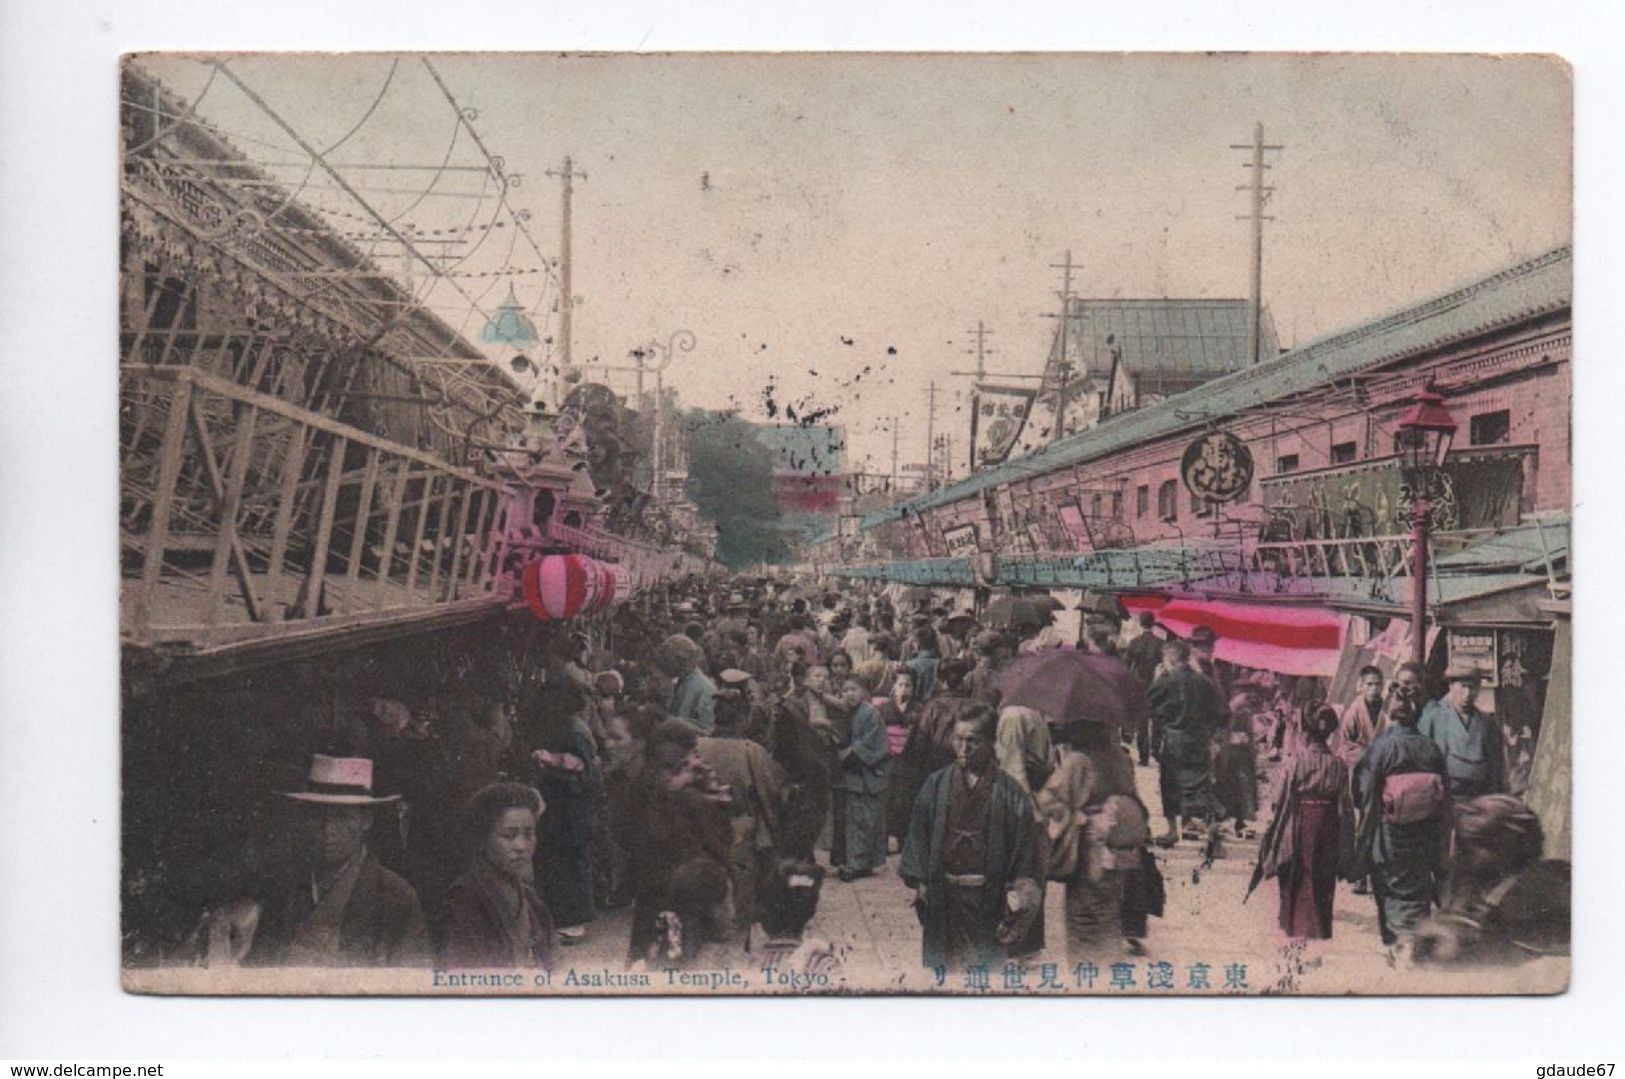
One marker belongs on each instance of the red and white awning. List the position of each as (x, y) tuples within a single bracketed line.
[(1272, 637)]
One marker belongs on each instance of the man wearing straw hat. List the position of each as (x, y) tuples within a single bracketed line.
[(343, 909), (1474, 752)]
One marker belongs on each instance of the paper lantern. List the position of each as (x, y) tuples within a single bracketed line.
[(560, 586), (620, 583), (603, 587)]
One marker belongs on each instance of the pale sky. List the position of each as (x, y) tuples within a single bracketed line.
[(779, 206)]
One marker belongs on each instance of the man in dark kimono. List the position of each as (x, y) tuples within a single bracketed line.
[(1141, 656), (1403, 854), (799, 750), (971, 850), (1186, 710)]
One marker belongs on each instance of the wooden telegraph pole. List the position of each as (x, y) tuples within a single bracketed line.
[(567, 301), (1260, 193), (930, 440)]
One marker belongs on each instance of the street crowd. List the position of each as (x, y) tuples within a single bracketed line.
[(718, 755)]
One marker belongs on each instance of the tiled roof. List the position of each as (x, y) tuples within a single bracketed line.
[(1540, 285), (1170, 344)]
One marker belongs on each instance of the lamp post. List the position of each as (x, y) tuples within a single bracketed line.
[(1422, 439), (681, 340)]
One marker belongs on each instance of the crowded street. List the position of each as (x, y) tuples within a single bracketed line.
[(475, 643)]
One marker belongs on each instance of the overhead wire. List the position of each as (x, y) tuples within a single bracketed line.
[(310, 169), (189, 113)]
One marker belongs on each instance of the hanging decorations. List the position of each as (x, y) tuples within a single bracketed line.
[(563, 586)]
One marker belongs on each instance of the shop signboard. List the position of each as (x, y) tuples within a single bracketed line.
[(961, 540), (1217, 467), (1476, 647)]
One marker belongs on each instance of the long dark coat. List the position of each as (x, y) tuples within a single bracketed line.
[(1011, 855), (382, 924)]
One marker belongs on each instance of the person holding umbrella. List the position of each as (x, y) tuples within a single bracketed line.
[(1097, 827), (1073, 689)]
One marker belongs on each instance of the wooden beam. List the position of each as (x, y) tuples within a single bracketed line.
[(277, 406), (293, 466), (417, 543), (317, 575), (457, 540), (226, 548), (358, 540), (386, 560), (482, 524), (440, 538), (169, 470)]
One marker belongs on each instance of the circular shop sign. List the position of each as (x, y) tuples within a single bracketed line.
[(1217, 466)]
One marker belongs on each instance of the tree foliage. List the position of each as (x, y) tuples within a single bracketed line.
[(730, 480)]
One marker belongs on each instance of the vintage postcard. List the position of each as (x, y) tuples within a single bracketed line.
[(723, 524)]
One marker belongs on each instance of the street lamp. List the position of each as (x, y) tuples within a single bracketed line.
[(681, 340), (1422, 439)]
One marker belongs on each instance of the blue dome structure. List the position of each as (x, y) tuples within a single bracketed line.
[(510, 325)]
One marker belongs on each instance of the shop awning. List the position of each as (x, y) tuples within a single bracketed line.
[(1286, 639)]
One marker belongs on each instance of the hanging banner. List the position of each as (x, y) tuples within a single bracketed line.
[(997, 419), (1477, 489)]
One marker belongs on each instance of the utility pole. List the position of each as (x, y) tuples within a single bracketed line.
[(981, 350), (1065, 266), (1260, 192), (568, 299), (1062, 396), (1060, 368), (894, 455), (930, 442)]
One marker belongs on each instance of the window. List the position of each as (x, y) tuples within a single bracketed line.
[(1201, 507), (1166, 509), (1488, 428), (1289, 463), (1117, 505), (1344, 452), (1142, 500), (1094, 505)]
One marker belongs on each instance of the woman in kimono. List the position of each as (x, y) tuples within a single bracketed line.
[(864, 766), (1311, 833), (899, 712), (563, 759), (492, 916)]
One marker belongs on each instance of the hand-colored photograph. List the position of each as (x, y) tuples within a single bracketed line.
[(723, 524)]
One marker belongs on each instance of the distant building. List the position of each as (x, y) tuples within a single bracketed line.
[(809, 476), (1114, 355)]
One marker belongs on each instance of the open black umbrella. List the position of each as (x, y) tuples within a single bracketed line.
[(1018, 611), (1073, 687)]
